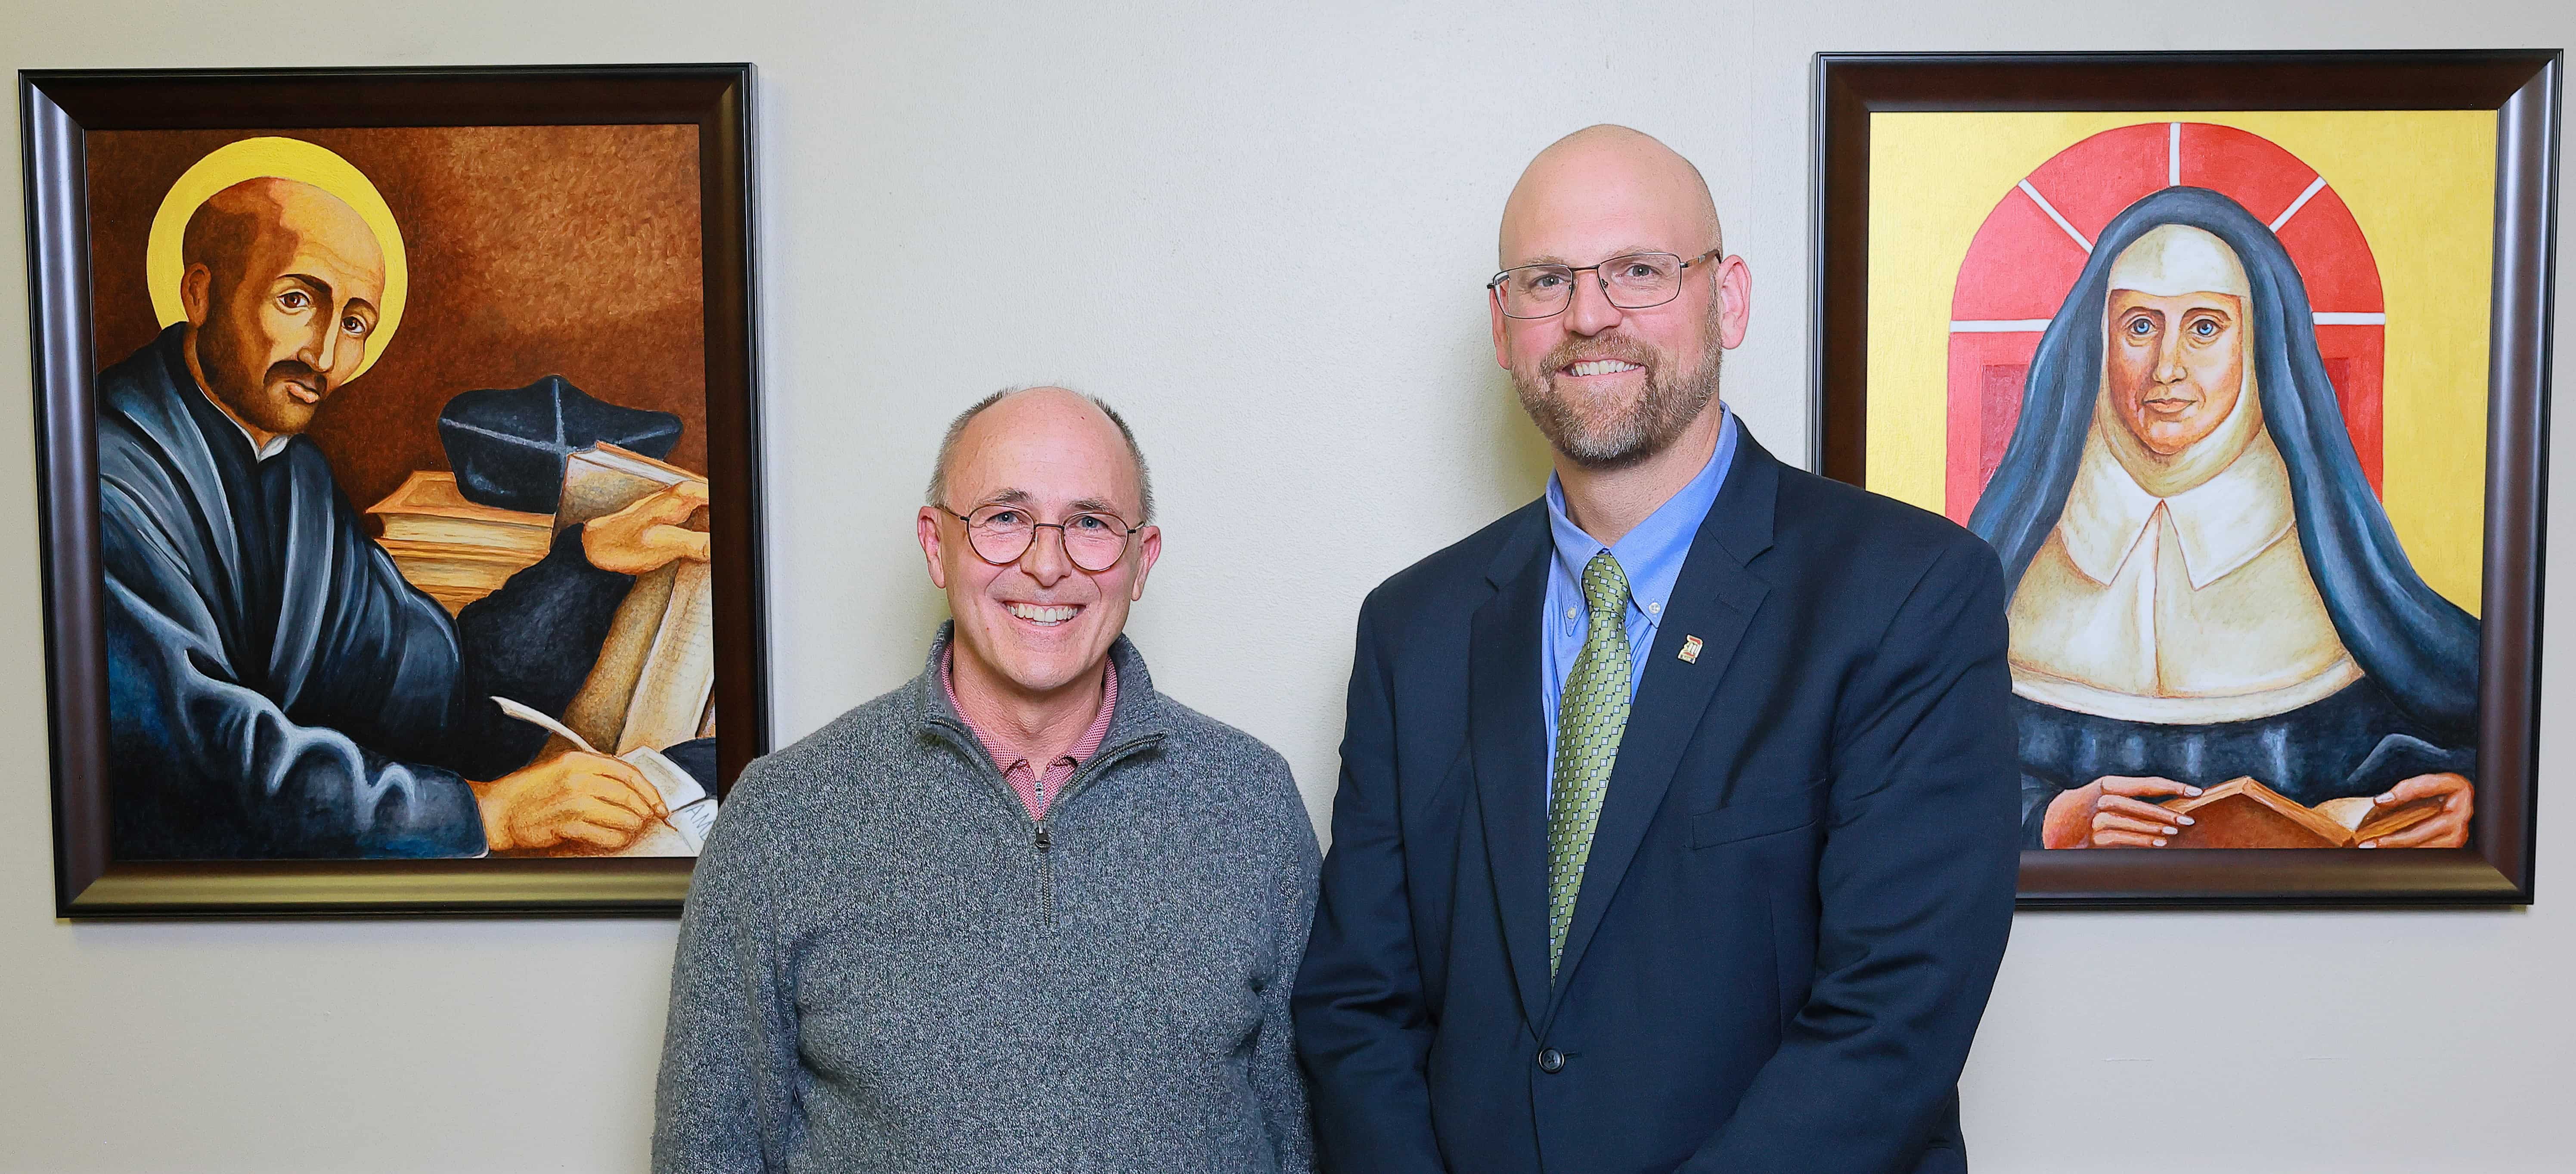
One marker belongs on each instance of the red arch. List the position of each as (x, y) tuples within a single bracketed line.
[(2023, 261)]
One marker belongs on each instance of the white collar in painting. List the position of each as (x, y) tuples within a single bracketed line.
[(2222, 522), (276, 444)]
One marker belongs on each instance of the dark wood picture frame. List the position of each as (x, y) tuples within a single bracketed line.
[(2524, 88), (57, 109)]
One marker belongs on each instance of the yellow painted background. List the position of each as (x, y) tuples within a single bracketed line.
[(2421, 183)]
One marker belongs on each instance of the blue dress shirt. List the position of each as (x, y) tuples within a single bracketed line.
[(1650, 555)]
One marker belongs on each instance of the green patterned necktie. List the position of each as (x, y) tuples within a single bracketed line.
[(1590, 716)]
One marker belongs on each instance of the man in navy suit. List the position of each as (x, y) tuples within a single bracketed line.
[(1677, 825)]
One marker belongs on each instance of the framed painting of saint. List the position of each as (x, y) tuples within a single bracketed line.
[(2240, 363), (398, 447)]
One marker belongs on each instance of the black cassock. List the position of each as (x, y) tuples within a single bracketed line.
[(275, 687)]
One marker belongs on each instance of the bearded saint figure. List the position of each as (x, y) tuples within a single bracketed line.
[(276, 688), (2203, 584)]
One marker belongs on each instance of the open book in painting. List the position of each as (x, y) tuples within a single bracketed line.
[(654, 683), (2243, 813)]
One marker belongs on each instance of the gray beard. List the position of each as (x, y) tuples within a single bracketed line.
[(1671, 402)]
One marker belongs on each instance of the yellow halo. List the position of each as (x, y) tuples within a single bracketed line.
[(274, 158)]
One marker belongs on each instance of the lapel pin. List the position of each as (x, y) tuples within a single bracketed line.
[(1690, 650)]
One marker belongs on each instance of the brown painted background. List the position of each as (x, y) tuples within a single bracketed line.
[(549, 250)]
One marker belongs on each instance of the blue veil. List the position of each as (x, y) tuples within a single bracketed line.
[(2419, 646)]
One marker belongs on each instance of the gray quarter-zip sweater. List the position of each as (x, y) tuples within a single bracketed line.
[(885, 965)]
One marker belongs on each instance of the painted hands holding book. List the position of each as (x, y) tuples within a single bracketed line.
[(650, 533), (2118, 811), (2449, 826)]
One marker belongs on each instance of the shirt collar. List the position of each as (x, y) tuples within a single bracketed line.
[(1009, 756), (261, 452), (2222, 522), (1651, 555)]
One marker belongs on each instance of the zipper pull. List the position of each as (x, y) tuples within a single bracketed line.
[(1043, 841)]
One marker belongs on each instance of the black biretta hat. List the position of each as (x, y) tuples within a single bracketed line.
[(508, 446)]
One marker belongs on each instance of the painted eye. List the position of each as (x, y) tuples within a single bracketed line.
[(294, 299), (2204, 328), (354, 324), (2141, 326)]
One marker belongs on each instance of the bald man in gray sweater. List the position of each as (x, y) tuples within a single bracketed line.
[(1024, 913)]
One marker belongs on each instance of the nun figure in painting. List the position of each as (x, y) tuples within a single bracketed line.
[(2203, 585)]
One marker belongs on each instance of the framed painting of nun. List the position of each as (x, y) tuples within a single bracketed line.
[(2240, 362)]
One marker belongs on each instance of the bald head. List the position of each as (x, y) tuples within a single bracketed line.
[(1033, 629), (1061, 421), (233, 225), (1604, 173), (1616, 364), (283, 285)]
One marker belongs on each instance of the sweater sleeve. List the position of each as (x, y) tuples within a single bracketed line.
[(1276, 1080), (727, 1100)]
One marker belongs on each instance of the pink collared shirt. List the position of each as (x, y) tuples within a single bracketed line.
[(1039, 789)]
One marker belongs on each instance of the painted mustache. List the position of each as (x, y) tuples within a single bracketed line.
[(301, 374)]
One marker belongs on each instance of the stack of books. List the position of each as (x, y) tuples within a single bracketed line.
[(452, 549)]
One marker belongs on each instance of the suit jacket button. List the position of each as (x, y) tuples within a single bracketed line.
[(1551, 1061)]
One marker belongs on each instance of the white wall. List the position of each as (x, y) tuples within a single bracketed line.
[(1260, 229)]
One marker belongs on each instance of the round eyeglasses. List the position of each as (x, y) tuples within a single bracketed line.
[(1632, 281), (999, 534)]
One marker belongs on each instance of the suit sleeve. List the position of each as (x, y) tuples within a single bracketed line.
[(1275, 1080), (1363, 1028), (727, 1101), (1915, 884)]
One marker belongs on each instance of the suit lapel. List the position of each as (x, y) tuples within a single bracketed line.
[(1508, 740), (1714, 599)]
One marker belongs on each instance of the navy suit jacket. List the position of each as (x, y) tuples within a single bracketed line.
[(1796, 898)]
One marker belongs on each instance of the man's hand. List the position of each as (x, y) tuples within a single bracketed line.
[(590, 799), (648, 534), (2448, 829), (2110, 812)]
